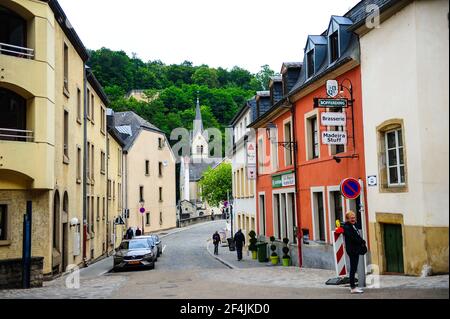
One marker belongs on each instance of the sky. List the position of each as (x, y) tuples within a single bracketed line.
[(225, 33)]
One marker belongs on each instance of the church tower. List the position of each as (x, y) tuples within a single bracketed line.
[(199, 143)]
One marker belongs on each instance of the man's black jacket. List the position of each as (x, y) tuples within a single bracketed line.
[(353, 241)]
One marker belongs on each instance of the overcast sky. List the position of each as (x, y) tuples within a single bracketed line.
[(247, 33)]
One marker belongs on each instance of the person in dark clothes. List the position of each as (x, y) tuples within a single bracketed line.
[(354, 245), (138, 232), (216, 241), (129, 233), (239, 240)]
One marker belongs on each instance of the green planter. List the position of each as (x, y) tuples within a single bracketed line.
[(254, 254), (285, 261), (274, 260)]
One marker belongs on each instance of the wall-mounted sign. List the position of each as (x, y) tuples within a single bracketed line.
[(334, 138), (283, 180), (330, 102), (332, 88), (251, 172), (251, 153), (372, 180), (333, 119)]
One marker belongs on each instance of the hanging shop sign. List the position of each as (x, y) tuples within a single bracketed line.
[(330, 102), (283, 180), (333, 119), (251, 172), (332, 88), (334, 138)]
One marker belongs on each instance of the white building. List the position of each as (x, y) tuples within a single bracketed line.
[(405, 81), (244, 208)]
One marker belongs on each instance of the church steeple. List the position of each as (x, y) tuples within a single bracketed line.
[(198, 123)]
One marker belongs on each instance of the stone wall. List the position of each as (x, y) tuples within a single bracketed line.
[(11, 273)]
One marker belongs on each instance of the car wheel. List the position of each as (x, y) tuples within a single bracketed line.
[(152, 266)]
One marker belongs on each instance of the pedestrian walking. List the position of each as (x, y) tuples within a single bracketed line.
[(355, 246), (138, 232), (129, 233), (216, 242), (239, 240)]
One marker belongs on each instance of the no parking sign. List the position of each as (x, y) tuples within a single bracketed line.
[(350, 188)]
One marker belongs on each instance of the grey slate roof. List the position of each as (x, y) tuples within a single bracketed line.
[(358, 13), (196, 169), (128, 125)]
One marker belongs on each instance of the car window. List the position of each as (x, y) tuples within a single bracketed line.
[(123, 245), (136, 244)]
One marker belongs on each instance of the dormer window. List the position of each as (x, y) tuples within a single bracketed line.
[(334, 46), (310, 63)]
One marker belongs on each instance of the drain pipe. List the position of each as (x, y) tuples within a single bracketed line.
[(84, 166)]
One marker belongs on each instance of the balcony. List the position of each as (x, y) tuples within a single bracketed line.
[(7, 134), (16, 51)]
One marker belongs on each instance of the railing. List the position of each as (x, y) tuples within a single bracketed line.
[(20, 52), (16, 135)]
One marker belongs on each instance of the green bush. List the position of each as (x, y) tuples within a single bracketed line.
[(253, 241), (286, 248)]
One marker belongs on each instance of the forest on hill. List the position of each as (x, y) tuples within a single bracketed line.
[(171, 90)]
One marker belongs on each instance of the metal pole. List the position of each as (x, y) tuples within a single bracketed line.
[(26, 252)]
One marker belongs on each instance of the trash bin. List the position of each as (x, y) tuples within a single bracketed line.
[(231, 245), (262, 252)]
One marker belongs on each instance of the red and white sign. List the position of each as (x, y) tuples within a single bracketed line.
[(350, 188), (251, 172), (339, 254), (251, 153)]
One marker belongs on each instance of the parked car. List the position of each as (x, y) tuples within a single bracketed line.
[(136, 252), (157, 242)]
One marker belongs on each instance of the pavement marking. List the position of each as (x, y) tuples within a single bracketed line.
[(164, 248), (218, 258)]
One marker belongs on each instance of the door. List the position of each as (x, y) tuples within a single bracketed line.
[(393, 248), (65, 243)]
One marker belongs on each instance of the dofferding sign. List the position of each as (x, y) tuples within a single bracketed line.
[(335, 138), (330, 102), (333, 119)]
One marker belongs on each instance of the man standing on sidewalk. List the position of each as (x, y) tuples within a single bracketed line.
[(216, 241), (239, 241)]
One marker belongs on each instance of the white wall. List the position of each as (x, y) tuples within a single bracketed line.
[(404, 66)]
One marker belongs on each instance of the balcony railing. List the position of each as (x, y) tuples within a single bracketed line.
[(7, 134), (20, 52)]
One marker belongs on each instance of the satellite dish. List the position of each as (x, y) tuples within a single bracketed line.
[(165, 163)]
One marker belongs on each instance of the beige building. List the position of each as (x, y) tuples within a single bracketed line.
[(405, 79), (149, 174), (52, 120)]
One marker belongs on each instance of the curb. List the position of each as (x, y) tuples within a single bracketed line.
[(229, 265)]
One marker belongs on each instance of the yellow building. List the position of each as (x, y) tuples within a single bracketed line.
[(52, 121)]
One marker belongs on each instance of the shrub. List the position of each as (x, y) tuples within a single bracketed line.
[(286, 248), (273, 248), (253, 241)]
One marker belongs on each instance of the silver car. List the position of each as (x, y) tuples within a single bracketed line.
[(134, 253), (156, 242)]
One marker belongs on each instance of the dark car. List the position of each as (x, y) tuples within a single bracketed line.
[(136, 252), (157, 242)]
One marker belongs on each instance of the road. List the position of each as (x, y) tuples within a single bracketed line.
[(187, 270)]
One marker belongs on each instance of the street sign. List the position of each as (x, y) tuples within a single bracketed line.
[(142, 210), (251, 153), (330, 102), (251, 172), (334, 138), (372, 180), (350, 188), (333, 119), (119, 221), (332, 88)]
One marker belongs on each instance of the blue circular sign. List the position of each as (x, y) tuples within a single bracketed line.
[(350, 188)]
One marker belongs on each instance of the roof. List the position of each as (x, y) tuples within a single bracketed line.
[(196, 169), (97, 86), (64, 23), (358, 13), (128, 125)]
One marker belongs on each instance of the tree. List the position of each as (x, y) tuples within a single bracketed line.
[(215, 183), (206, 76), (264, 75)]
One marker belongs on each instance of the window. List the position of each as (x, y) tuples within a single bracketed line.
[(319, 216), (289, 148), (92, 213), (160, 168), (336, 209), (119, 195), (79, 159), (160, 194), (88, 214), (395, 158), (104, 208), (108, 191), (160, 143), (313, 138), (334, 46), (92, 164), (119, 161), (66, 137), (79, 105), (98, 209), (276, 216), (141, 193), (262, 215), (147, 219), (3, 223), (274, 149), (92, 108), (102, 162), (261, 156), (147, 167), (114, 190), (13, 31), (160, 218), (102, 119), (13, 116), (88, 104), (88, 162), (66, 68), (310, 63)]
